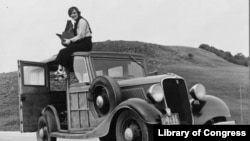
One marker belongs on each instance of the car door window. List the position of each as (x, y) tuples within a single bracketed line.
[(34, 75)]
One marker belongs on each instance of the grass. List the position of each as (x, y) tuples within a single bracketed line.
[(230, 83), (9, 116)]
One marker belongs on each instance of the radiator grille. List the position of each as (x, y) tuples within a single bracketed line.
[(177, 99)]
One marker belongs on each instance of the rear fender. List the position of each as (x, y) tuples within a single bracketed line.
[(52, 109), (213, 107)]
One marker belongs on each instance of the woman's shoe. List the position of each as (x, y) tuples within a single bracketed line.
[(60, 78), (60, 75), (59, 72), (64, 76)]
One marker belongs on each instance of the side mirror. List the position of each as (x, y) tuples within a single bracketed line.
[(155, 72)]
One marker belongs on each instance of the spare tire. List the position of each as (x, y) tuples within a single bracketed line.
[(105, 93)]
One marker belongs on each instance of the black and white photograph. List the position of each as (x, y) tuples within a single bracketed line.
[(124, 70)]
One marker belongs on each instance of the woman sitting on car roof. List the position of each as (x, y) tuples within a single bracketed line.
[(81, 41)]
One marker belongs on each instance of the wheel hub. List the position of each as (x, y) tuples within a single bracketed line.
[(41, 133), (99, 101), (128, 134)]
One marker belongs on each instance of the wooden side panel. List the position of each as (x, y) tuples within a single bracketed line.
[(74, 101), (75, 120), (83, 101), (79, 111), (92, 120), (84, 119)]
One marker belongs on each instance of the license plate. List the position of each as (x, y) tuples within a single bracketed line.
[(168, 120)]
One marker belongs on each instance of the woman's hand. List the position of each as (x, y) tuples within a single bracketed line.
[(67, 41)]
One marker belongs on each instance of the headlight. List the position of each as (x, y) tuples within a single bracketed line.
[(155, 92), (198, 91)]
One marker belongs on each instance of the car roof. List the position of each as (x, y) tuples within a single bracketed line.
[(98, 54), (107, 54)]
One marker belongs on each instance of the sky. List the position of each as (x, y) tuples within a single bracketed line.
[(28, 28)]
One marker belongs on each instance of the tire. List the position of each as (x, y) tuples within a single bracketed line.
[(130, 127), (107, 138), (46, 125), (105, 94), (216, 120)]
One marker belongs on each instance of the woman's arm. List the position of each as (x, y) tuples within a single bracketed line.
[(81, 30)]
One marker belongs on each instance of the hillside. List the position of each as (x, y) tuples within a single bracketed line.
[(164, 55), (239, 58), (9, 116), (221, 78)]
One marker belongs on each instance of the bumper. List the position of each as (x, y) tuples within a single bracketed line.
[(226, 123)]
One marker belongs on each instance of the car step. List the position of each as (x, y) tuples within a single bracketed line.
[(67, 135)]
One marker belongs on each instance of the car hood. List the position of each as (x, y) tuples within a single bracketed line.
[(147, 80)]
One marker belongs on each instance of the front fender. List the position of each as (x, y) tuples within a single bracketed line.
[(214, 107), (148, 112)]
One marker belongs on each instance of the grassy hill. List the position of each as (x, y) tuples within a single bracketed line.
[(221, 78), (9, 116)]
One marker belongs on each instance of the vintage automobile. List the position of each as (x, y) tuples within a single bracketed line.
[(109, 96)]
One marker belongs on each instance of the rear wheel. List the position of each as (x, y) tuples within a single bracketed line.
[(130, 127), (46, 124)]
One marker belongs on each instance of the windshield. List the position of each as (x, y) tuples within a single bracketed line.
[(80, 69), (119, 68)]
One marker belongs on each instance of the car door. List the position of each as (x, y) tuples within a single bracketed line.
[(33, 93)]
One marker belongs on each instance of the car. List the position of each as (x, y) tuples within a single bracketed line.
[(110, 96)]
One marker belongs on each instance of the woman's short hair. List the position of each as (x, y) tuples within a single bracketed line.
[(73, 8)]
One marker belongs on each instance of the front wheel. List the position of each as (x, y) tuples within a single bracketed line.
[(130, 127), (215, 120)]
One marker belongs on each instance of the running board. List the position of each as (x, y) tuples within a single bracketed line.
[(83, 135)]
